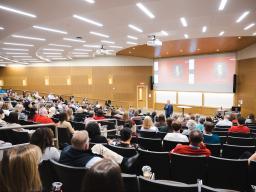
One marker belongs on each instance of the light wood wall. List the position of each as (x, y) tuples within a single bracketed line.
[(125, 80)]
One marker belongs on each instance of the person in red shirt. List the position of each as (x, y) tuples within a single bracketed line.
[(42, 117), (195, 147), (99, 115), (240, 128)]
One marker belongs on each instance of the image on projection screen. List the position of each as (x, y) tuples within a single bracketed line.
[(210, 73)]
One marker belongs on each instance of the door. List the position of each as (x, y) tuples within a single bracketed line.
[(142, 99)]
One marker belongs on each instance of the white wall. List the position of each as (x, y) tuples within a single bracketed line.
[(247, 53)]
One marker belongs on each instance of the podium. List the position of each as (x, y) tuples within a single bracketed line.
[(183, 107)]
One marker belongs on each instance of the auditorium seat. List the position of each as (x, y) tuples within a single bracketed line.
[(147, 185), (150, 144), (161, 134), (227, 173), (18, 137), (110, 126), (158, 161), (64, 137), (78, 125), (222, 127), (220, 133), (169, 145), (214, 148), (233, 134), (71, 177), (148, 134), (47, 175), (234, 151), (205, 188), (223, 139), (187, 168), (92, 144), (252, 173), (125, 152), (131, 183), (242, 141), (24, 122)]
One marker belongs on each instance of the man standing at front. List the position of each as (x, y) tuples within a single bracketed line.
[(168, 109)]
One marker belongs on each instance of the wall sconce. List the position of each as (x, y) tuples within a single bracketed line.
[(69, 81), (1, 82), (89, 81), (46, 81), (110, 80), (24, 82), (140, 94)]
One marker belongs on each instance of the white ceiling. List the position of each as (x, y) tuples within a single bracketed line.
[(115, 15)]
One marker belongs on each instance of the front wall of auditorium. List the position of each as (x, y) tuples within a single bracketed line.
[(125, 80)]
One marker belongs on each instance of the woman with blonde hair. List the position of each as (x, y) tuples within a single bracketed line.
[(148, 125), (19, 169)]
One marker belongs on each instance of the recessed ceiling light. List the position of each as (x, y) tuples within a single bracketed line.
[(221, 33), (20, 53), (90, 1), (92, 46), (48, 53), (186, 36), (27, 37), (131, 43), (59, 58), (110, 42), (99, 34), (74, 40), (242, 16), (53, 56), (59, 45), (254, 34), (249, 26), (18, 44), (132, 37), (21, 56), (222, 5), (80, 56), (1, 28), (145, 10), (115, 46), (11, 49), (29, 59), (49, 29), (88, 20), (183, 21), (204, 29), (164, 33), (79, 53), (86, 50), (135, 28), (17, 11), (53, 49)]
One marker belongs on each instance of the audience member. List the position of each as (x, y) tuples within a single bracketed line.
[(95, 136), (42, 117), (191, 125), (224, 122), (210, 138), (175, 134), (195, 147), (89, 118), (19, 169), (43, 138), (99, 115), (63, 123), (125, 138), (200, 125), (148, 125), (105, 175), (2, 116), (250, 119), (168, 128), (240, 128), (161, 124)]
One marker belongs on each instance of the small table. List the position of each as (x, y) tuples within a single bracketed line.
[(183, 107)]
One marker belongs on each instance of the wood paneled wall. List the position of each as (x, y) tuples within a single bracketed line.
[(125, 80)]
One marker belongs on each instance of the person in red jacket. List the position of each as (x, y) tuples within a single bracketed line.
[(195, 147), (240, 128)]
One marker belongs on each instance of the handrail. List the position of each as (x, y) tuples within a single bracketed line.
[(12, 146)]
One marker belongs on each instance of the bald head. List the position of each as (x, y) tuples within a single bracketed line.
[(195, 137), (80, 140)]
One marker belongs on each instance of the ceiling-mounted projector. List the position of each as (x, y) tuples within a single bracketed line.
[(154, 42), (103, 51)]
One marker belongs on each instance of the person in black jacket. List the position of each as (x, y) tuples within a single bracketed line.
[(95, 136)]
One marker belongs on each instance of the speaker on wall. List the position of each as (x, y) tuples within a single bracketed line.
[(151, 82), (234, 83)]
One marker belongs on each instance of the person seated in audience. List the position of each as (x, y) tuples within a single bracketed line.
[(240, 128), (95, 136), (7, 107), (79, 115), (99, 115), (175, 134), (105, 175), (89, 118), (252, 157), (136, 116), (129, 123), (224, 122), (19, 109), (70, 116), (161, 123), (210, 138), (250, 119), (200, 125), (19, 169), (195, 147), (42, 117), (52, 111), (125, 138), (63, 123), (168, 128), (2, 116), (191, 125), (13, 120), (233, 118), (43, 138), (209, 119), (148, 125)]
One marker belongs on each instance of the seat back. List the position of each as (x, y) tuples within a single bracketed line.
[(170, 145), (205, 188), (148, 134), (125, 152), (71, 177), (78, 125), (150, 144), (18, 137), (234, 134), (131, 183), (161, 134), (220, 133), (158, 161), (187, 168), (214, 148), (252, 173), (147, 185), (64, 137), (110, 125), (47, 175), (227, 173), (242, 141), (234, 151)]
